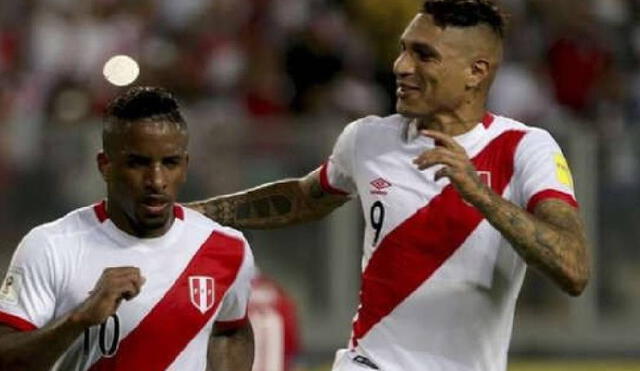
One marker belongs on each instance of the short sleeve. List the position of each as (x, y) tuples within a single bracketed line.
[(27, 296), (337, 173), (233, 311), (542, 171)]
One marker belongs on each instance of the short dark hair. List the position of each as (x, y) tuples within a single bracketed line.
[(466, 13), (141, 103), (144, 103)]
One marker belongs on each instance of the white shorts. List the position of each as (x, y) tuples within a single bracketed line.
[(349, 360)]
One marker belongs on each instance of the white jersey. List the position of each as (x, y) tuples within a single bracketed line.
[(439, 283), (197, 274)]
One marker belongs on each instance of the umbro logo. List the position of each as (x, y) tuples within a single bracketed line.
[(379, 186)]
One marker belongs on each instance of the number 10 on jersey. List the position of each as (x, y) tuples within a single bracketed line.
[(108, 329)]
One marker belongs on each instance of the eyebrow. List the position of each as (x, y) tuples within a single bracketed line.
[(133, 155), (414, 44), (426, 48), (173, 157)]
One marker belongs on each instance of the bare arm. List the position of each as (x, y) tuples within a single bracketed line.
[(39, 349), (552, 239), (272, 205), (231, 350)]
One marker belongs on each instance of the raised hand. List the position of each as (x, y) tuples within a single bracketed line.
[(457, 165)]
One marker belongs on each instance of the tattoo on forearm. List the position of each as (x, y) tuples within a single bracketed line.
[(269, 206), (553, 241), (281, 204), (262, 207), (243, 211)]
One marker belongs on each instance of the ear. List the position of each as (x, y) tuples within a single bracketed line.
[(104, 165), (478, 72)]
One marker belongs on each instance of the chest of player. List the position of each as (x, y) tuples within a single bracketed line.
[(401, 202), (185, 284), (394, 181)]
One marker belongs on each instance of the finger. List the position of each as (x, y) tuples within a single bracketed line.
[(116, 287), (120, 270), (434, 162), (129, 291), (132, 274), (116, 273), (439, 156), (442, 173), (438, 160), (440, 151), (442, 139), (138, 281)]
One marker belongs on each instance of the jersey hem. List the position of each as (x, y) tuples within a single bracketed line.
[(231, 325)]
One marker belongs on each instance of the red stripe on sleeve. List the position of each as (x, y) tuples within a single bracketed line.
[(231, 325), (324, 182), (16, 322), (427, 239), (177, 318), (550, 194)]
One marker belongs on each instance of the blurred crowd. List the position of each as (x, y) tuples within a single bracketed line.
[(267, 85)]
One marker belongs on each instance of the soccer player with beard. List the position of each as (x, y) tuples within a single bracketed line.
[(458, 202)]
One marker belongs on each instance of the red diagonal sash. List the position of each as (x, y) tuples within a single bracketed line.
[(413, 251), (173, 322)]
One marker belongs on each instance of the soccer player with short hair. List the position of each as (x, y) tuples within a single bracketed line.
[(457, 201), (136, 282)]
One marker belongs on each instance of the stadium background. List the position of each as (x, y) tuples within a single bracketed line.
[(266, 87)]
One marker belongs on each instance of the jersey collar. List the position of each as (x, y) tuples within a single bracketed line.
[(100, 209), (125, 239)]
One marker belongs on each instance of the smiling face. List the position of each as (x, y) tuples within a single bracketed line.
[(441, 69), (144, 166)]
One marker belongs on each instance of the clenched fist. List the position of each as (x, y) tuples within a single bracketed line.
[(114, 284)]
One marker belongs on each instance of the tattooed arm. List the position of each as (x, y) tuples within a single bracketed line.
[(272, 205), (552, 239)]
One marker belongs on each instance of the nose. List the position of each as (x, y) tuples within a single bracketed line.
[(403, 65), (155, 179)]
